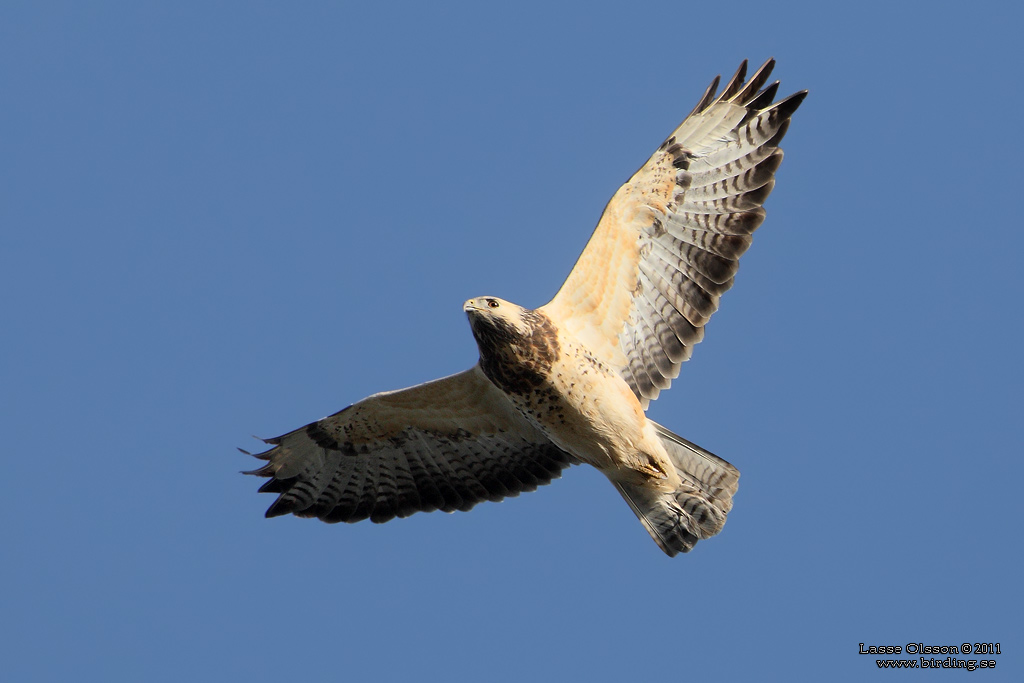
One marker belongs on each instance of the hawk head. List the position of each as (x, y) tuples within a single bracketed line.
[(489, 315), (517, 345)]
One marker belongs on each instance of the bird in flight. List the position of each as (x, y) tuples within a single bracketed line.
[(569, 382)]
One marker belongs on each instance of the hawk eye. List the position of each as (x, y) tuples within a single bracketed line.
[(491, 303)]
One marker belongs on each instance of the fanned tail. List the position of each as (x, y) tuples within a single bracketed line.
[(697, 509)]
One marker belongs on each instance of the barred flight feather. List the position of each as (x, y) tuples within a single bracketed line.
[(388, 468), (723, 159)]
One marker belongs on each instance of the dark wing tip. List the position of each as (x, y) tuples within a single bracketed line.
[(707, 98), (265, 471), (276, 485), (789, 105), (764, 98), (735, 83), (275, 511), (749, 90), (265, 455)]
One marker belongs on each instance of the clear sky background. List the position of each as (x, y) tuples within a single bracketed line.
[(226, 219)]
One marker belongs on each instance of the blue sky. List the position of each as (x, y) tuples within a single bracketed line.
[(229, 219)]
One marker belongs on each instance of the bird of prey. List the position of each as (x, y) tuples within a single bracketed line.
[(570, 382)]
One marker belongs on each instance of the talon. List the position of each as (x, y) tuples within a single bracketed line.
[(652, 470)]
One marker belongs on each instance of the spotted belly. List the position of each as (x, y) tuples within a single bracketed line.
[(587, 410), (580, 403)]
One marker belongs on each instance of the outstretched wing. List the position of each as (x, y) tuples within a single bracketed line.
[(669, 241), (444, 445)]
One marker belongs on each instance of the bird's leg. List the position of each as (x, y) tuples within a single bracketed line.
[(651, 467)]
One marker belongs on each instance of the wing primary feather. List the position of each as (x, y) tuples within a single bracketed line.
[(745, 180), (265, 471), (754, 84), (785, 108), (278, 486), (763, 99), (734, 84), (706, 99)]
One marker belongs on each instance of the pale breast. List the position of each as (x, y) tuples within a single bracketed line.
[(579, 402), (585, 408)]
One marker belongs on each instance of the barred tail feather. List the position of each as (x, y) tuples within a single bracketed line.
[(697, 509)]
